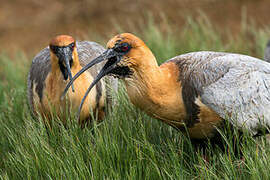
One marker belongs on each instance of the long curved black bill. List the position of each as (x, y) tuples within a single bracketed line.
[(69, 72), (103, 72), (107, 54)]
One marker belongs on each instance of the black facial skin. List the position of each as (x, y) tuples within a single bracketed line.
[(113, 57), (120, 71), (64, 54)]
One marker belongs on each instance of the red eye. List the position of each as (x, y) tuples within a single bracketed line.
[(72, 46), (124, 48)]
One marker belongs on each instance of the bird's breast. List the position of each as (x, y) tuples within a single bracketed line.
[(54, 87), (161, 97)]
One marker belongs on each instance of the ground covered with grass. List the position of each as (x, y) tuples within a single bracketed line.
[(128, 144)]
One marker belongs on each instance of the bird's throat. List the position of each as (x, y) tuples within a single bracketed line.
[(157, 91)]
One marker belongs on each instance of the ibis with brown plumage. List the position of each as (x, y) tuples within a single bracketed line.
[(50, 71), (194, 92)]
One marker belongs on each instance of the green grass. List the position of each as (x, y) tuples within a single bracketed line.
[(127, 144)]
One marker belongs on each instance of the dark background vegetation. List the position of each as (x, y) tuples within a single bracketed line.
[(29, 24)]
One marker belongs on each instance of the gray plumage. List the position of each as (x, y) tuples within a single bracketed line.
[(41, 66), (233, 85), (267, 52)]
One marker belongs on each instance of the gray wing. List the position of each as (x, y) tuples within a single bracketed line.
[(40, 68), (87, 51), (233, 85), (267, 52)]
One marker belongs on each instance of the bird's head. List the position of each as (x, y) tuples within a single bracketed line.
[(125, 54), (62, 50)]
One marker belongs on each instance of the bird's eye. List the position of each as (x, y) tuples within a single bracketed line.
[(54, 48), (124, 47), (72, 45)]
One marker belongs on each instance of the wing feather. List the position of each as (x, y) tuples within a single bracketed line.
[(233, 85)]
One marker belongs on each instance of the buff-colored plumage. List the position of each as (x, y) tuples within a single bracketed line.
[(196, 92), (46, 82), (157, 90)]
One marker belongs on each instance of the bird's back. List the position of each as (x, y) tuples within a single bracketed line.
[(233, 85)]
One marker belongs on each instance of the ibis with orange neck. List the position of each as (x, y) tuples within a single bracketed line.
[(49, 74), (195, 92)]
